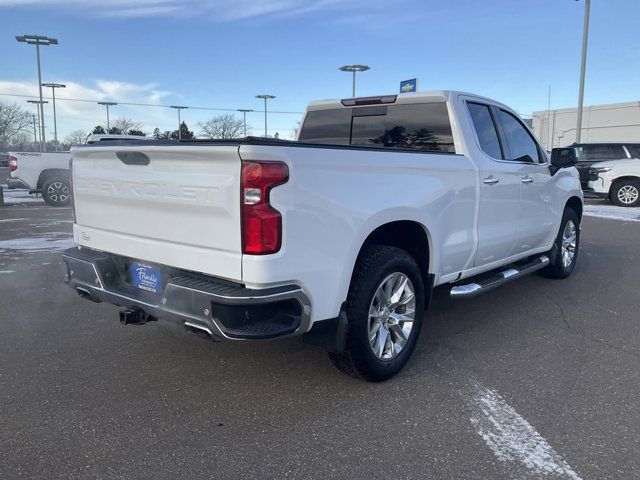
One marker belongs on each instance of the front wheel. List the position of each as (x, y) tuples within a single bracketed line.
[(626, 193), (57, 192), (384, 312), (564, 254)]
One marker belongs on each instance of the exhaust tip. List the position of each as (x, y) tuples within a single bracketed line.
[(86, 294), (199, 331)]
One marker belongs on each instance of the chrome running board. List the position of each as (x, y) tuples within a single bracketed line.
[(500, 278)]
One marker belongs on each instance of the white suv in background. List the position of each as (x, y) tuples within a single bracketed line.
[(611, 170)]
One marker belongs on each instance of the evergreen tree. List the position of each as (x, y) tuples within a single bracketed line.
[(185, 132)]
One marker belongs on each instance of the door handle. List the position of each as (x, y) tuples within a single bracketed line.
[(526, 179), (490, 180)]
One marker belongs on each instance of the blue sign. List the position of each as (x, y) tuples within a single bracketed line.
[(145, 277), (409, 86)]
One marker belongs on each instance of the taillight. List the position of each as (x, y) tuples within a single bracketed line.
[(261, 223), (13, 163)]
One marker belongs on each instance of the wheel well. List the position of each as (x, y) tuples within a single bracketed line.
[(575, 204), (51, 172), (407, 235), (620, 179)]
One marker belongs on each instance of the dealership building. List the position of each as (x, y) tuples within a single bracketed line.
[(616, 122)]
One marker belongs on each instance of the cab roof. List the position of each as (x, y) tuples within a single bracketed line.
[(390, 99)]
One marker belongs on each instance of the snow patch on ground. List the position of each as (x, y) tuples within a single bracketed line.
[(20, 196), (7, 271), (512, 439), (612, 212), (48, 243)]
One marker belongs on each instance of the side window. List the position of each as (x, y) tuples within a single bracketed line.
[(522, 146), (598, 153), (485, 129), (634, 150)]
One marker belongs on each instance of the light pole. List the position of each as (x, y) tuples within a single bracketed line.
[(35, 131), (108, 104), (53, 94), (38, 110), (353, 69), (179, 107), (265, 97), (38, 40), (583, 67), (549, 135), (244, 117)]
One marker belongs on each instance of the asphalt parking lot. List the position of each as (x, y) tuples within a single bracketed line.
[(539, 379)]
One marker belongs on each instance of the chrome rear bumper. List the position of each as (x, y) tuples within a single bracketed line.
[(218, 308)]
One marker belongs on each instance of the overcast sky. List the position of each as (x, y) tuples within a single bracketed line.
[(221, 53)]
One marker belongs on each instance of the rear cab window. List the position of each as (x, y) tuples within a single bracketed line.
[(416, 126)]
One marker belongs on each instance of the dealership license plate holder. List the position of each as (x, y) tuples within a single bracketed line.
[(145, 277)]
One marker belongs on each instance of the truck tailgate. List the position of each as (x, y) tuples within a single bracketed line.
[(181, 209)]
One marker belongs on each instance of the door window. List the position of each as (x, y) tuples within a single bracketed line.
[(521, 145), (485, 129)]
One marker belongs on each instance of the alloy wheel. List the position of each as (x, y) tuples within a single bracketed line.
[(391, 315), (628, 194), (569, 243), (58, 192)]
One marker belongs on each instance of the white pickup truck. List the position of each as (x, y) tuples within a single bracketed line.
[(340, 236), (48, 173)]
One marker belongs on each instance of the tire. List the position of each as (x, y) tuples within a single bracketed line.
[(626, 193), (376, 265), (563, 247), (56, 191)]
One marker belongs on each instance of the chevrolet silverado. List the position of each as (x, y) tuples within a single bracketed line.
[(339, 236)]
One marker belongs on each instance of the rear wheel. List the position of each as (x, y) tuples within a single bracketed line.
[(57, 191), (564, 254), (384, 312), (626, 193)]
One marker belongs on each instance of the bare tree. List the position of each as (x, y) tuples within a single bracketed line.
[(76, 137), (296, 130), (23, 142), (223, 126), (13, 121), (124, 126)]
